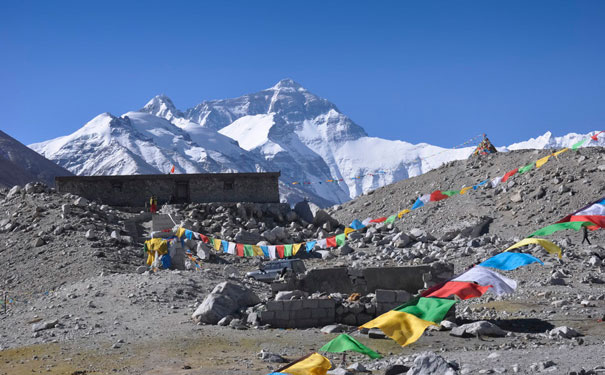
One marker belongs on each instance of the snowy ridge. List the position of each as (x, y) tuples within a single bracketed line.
[(283, 128)]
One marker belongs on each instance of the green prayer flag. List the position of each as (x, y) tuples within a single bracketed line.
[(248, 252), (340, 239), (578, 144), (449, 193), (429, 309), (527, 168), (344, 342), (287, 250), (391, 219), (575, 225)]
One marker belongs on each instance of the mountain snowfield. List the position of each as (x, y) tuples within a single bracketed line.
[(283, 128)]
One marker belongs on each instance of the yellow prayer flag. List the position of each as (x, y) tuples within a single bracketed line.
[(542, 161), (315, 364), (465, 189), (348, 230), (546, 244), (217, 244), (295, 248), (560, 152), (403, 212), (256, 250), (400, 326), (180, 232)]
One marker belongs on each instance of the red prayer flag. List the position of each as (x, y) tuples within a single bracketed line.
[(172, 169), (508, 174), (437, 195), (331, 242), (280, 250), (462, 289), (379, 220), (204, 238), (239, 249)]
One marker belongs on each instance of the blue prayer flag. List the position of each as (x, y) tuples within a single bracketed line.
[(508, 261)]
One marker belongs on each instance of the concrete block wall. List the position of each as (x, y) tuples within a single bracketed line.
[(389, 299), (299, 313)]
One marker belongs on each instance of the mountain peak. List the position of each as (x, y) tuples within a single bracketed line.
[(161, 106), (287, 84)]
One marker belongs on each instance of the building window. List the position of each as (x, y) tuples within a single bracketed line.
[(228, 185)]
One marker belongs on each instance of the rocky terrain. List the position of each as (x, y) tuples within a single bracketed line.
[(80, 301)]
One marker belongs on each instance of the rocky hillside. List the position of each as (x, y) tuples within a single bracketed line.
[(20, 165), (83, 301)]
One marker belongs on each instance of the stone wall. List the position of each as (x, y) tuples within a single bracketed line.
[(135, 190), (300, 313)]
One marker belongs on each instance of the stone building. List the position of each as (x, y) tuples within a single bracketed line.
[(135, 190)]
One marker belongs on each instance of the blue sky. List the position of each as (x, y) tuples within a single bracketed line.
[(421, 71)]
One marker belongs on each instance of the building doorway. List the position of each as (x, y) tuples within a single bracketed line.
[(182, 192)]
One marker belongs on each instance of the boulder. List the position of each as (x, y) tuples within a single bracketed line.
[(287, 295), (247, 237), (564, 332), (81, 202), (225, 299), (13, 191), (346, 250), (312, 213), (429, 363), (481, 328), (421, 235)]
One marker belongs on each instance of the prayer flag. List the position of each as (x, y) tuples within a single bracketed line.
[(578, 144), (508, 174), (546, 244), (272, 252), (239, 248), (496, 181), (365, 222), (438, 196), (484, 276), (180, 232), (296, 248), (349, 230), (265, 250), (429, 309), (331, 242), (340, 239), (450, 193), (525, 169), (225, 246), (403, 212), (188, 234), (280, 250), (314, 364), (248, 251), (417, 204), (508, 261), (575, 225), (475, 187), (391, 219), (560, 152), (256, 250), (344, 342), (465, 189), (462, 289), (594, 212), (322, 243), (541, 162), (379, 220), (231, 249), (310, 245), (402, 327), (216, 243), (172, 169), (204, 238), (287, 251)]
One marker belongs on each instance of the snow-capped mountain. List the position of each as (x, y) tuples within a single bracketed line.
[(283, 128), (548, 141)]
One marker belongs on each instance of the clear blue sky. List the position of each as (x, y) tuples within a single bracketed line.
[(420, 71)]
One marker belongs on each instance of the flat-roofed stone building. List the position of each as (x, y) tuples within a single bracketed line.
[(135, 190)]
